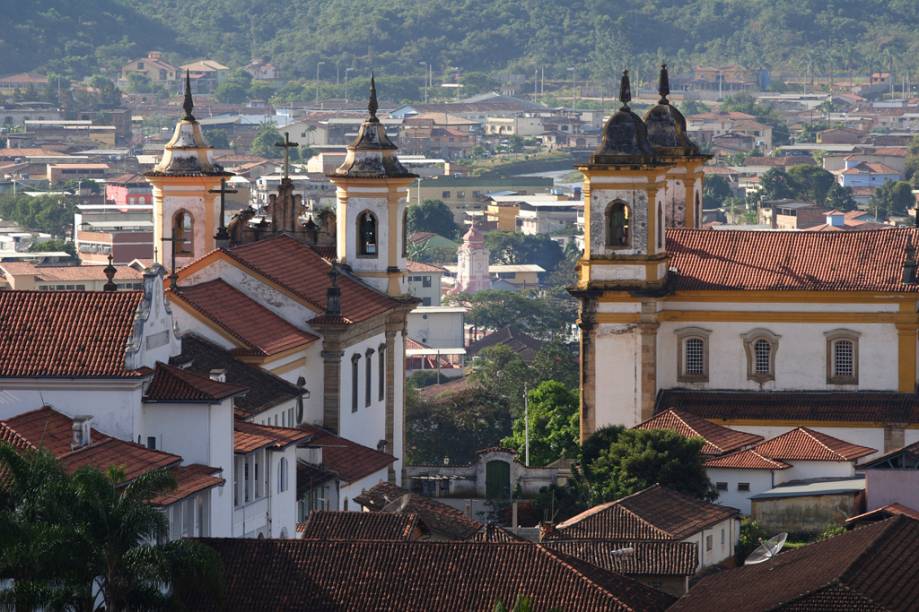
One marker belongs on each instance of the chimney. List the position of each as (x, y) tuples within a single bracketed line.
[(381, 446), (546, 530), (836, 218), (218, 374), (82, 431)]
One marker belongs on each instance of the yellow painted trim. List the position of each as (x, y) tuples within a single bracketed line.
[(828, 297), (771, 422), (373, 274), (287, 367), (754, 316), (906, 357), (617, 317)]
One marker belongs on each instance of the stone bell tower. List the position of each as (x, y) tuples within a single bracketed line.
[(625, 250), (371, 212), (185, 187), (667, 135)]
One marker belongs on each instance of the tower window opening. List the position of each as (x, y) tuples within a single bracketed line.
[(660, 226), (367, 234), (183, 232), (618, 225), (762, 351)]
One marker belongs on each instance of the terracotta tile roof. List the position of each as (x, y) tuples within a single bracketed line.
[(66, 334), (48, 428), (348, 460), (650, 558), (795, 406), (746, 460), (420, 267), (870, 568), (325, 525), (265, 390), (655, 513), (303, 272), (495, 534), (903, 457), (190, 479), (521, 343), (251, 436), (70, 273), (261, 331), (440, 518), (175, 385), (790, 261), (882, 513), (718, 439), (804, 444), (417, 576)]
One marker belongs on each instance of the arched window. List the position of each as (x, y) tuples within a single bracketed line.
[(660, 226), (368, 375), (355, 359), (282, 475), (183, 232), (842, 357), (367, 245), (405, 233), (761, 346), (693, 354), (618, 225), (381, 364)]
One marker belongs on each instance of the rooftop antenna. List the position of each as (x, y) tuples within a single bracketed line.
[(767, 550)]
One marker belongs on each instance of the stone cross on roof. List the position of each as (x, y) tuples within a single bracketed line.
[(223, 236), (287, 145)]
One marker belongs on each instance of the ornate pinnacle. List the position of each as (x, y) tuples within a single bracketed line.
[(625, 89), (663, 84), (109, 272), (372, 106), (188, 104), (333, 293)]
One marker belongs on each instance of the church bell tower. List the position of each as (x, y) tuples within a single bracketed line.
[(371, 212), (185, 186)]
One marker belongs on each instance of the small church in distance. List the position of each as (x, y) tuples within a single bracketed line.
[(761, 331)]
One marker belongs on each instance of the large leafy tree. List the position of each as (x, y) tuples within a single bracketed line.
[(777, 185), (812, 182), (553, 421), (266, 140), (893, 198), (515, 248), (541, 313), (639, 458), (715, 191), (840, 198), (432, 216), (63, 537)]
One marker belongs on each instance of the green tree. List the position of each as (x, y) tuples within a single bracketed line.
[(432, 216), (217, 138), (716, 189), (265, 141), (640, 458), (556, 360), (893, 198), (840, 198), (812, 182), (503, 373), (514, 248), (541, 313), (596, 443), (54, 245), (777, 185), (751, 536), (554, 424)]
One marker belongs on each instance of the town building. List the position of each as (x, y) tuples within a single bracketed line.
[(153, 67)]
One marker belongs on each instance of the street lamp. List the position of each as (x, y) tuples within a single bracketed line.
[(318, 64), (347, 87)]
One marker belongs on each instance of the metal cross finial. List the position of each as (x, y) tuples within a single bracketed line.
[(372, 106), (663, 84), (288, 145), (173, 276), (222, 233), (188, 104), (625, 89)]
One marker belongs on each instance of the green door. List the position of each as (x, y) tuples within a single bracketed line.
[(497, 480)]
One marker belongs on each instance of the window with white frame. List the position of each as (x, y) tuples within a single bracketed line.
[(692, 363), (842, 357), (761, 346)]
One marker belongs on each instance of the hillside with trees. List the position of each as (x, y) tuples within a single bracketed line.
[(486, 39)]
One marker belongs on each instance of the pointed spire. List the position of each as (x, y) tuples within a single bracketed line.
[(663, 84), (188, 104), (372, 106), (109, 272), (625, 89)]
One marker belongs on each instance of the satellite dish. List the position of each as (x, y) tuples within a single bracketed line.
[(767, 550)]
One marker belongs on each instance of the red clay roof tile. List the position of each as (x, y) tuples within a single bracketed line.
[(791, 261), (251, 436), (324, 525), (348, 460), (175, 385), (650, 558), (305, 273), (78, 334), (655, 513), (718, 439), (190, 479), (747, 459), (804, 444), (260, 330)]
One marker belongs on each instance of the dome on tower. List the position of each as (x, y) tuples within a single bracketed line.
[(187, 152), (625, 136), (666, 125), (372, 154)]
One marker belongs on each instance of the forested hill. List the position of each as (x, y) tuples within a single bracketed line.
[(598, 36)]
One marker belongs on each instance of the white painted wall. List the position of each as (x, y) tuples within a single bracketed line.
[(759, 481), (724, 536), (801, 470), (367, 424), (352, 490), (436, 327), (283, 504), (618, 374)]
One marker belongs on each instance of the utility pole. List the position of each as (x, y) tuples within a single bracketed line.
[(318, 64), (526, 428)]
